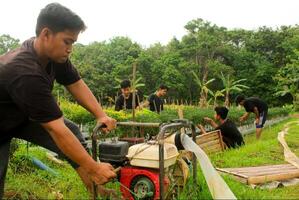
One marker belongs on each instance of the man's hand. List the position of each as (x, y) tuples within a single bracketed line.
[(243, 118), (257, 120), (101, 173), (207, 119), (202, 129), (109, 122)]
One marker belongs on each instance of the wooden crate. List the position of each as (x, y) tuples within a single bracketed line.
[(262, 174), (211, 142)]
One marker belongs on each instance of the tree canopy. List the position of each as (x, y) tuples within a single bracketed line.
[(260, 58)]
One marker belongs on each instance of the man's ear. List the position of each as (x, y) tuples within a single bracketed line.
[(45, 33)]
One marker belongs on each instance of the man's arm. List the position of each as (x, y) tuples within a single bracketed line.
[(71, 147), (257, 115), (85, 98), (202, 129), (211, 122), (118, 104), (245, 116)]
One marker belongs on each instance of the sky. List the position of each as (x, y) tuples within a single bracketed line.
[(149, 21)]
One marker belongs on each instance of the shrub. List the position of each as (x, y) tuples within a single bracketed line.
[(79, 115)]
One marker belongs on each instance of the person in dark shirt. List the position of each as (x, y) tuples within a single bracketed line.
[(125, 100), (155, 100), (230, 134), (256, 106), (29, 110)]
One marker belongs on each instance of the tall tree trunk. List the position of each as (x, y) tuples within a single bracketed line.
[(226, 102), (204, 95)]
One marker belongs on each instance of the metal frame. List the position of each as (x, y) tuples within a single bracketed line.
[(181, 123)]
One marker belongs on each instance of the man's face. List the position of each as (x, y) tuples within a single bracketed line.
[(59, 45), (242, 103), (162, 92), (216, 117), (126, 91)]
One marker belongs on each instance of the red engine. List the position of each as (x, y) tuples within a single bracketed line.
[(142, 181)]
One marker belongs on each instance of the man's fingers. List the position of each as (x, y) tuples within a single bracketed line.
[(101, 181)]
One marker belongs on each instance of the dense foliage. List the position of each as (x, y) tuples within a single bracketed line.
[(260, 58), (79, 115)]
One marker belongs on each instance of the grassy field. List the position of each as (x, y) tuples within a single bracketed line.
[(25, 181)]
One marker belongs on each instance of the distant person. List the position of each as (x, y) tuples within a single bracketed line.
[(230, 134), (125, 100), (155, 100), (256, 106)]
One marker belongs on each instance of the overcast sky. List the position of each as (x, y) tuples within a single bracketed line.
[(150, 21)]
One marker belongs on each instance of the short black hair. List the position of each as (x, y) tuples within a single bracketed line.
[(163, 87), (239, 98), (58, 18), (221, 111), (125, 84)]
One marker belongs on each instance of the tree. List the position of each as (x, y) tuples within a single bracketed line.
[(8, 43), (204, 44), (288, 80), (204, 90), (215, 95), (231, 85)]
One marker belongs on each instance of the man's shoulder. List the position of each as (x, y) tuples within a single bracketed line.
[(119, 97), (229, 121), (228, 124), (151, 96)]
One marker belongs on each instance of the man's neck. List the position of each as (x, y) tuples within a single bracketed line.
[(222, 121), (39, 51), (126, 97)]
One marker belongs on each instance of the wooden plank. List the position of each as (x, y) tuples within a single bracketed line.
[(209, 134), (281, 166), (275, 177), (210, 143), (206, 139), (229, 172), (266, 170), (221, 141), (270, 172), (254, 173), (214, 147), (238, 178)]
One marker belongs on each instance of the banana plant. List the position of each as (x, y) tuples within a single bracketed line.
[(204, 89), (231, 85)]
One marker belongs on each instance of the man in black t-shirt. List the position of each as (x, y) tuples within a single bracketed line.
[(125, 100), (230, 134), (256, 106), (28, 109), (155, 100)]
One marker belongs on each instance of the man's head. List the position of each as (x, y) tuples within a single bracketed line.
[(221, 113), (58, 28), (162, 90), (125, 87), (240, 100)]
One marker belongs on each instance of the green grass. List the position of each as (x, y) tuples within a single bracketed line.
[(292, 138), (256, 153), (25, 181)]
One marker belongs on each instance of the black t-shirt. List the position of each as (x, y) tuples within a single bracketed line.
[(155, 103), (122, 103), (252, 102), (26, 86), (230, 134)]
